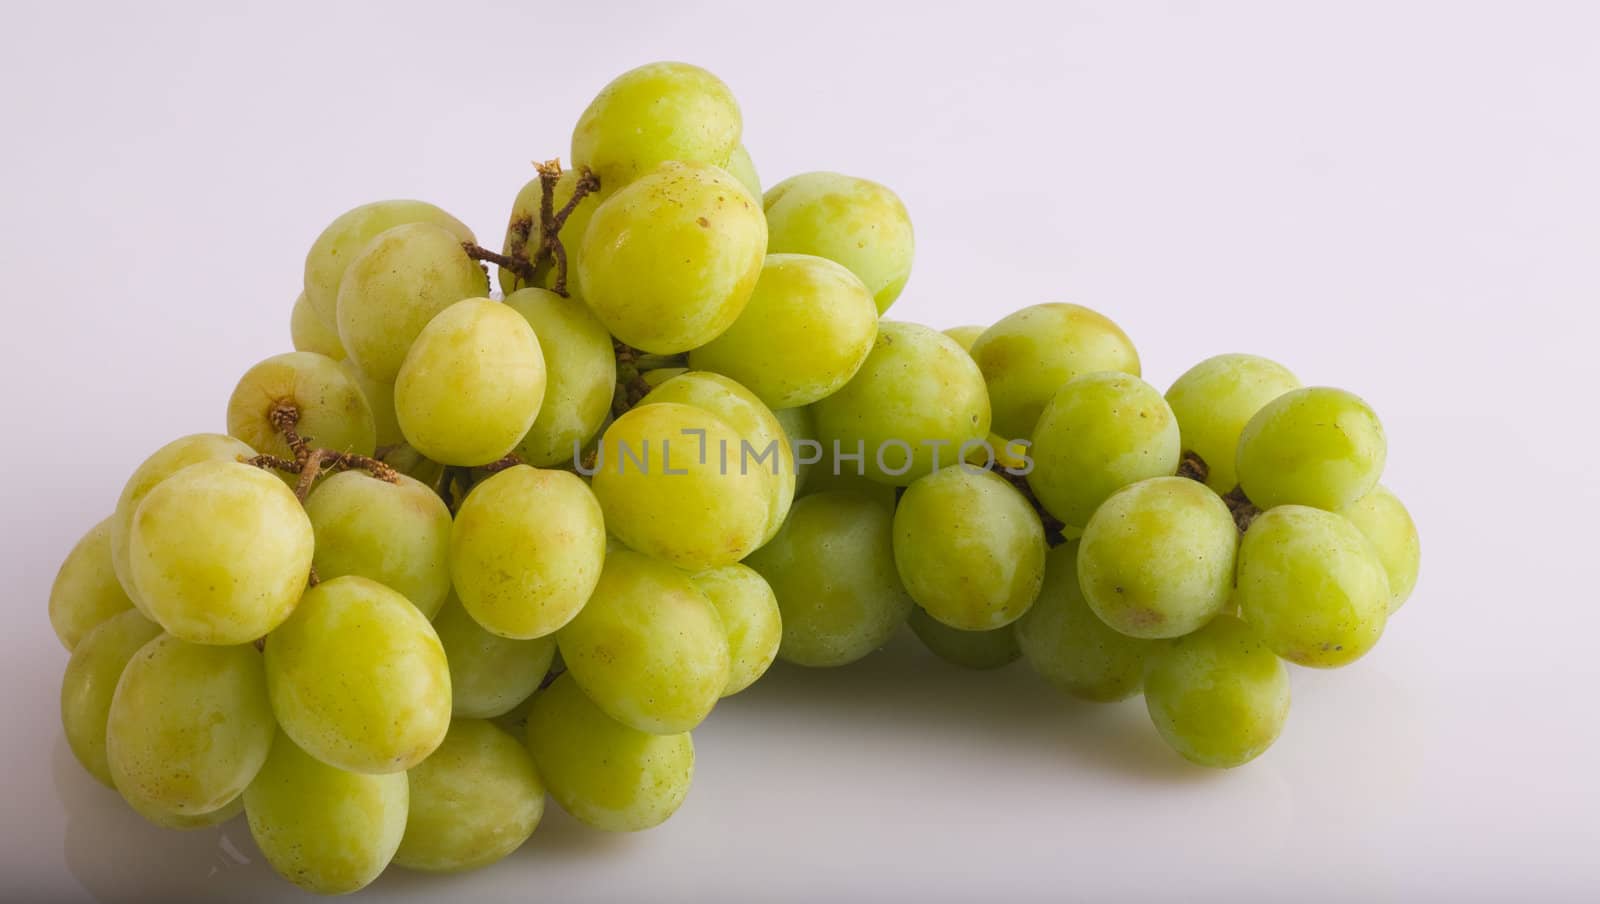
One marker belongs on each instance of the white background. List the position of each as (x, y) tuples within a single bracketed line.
[(1400, 198)]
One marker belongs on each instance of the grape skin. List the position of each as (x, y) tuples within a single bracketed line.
[(86, 591), (342, 242), (855, 222), (965, 335), (397, 534), (750, 618), (186, 822), (1215, 399), (1218, 696), (741, 167), (489, 674), (1069, 646), (330, 405), (798, 425), (969, 649), (580, 375), (308, 332), (380, 401), (1315, 446), (1383, 519), (91, 680), (652, 114), (475, 800)]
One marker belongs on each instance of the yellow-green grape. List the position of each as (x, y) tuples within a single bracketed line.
[(1069, 646), (1157, 558), (741, 167), (472, 384), (525, 215), (750, 618), (1313, 585), (86, 591), (358, 678), (1218, 696), (91, 678), (332, 411), (805, 332), (965, 335), (1214, 399), (189, 725), (187, 822), (652, 114), (911, 407), (648, 647), (824, 478), (343, 240), (969, 548), (526, 551), (605, 774), (668, 478), (1029, 355), (856, 222), (489, 674), (380, 401), (308, 332), (321, 827), (1384, 520), (397, 534), (401, 280), (669, 262), (580, 368), (656, 376), (475, 800), (413, 464), (1315, 446), (220, 552), (801, 429), (515, 720), (1101, 432), (989, 649), (832, 569)]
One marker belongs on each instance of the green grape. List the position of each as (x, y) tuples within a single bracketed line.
[(321, 827), (413, 464), (1029, 355), (220, 552), (656, 376), (969, 548), (652, 114), (825, 479), (965, 335), (358, 678), (1383, 519), (515, 720), (380, 401), (526, 551), (475, 800), (801, 428), (91, 679), (471, 385), (525, 214), (308, 332), (187, 822), (911, 407), (332, 411), (581, 374), (397, 534), (1313, 586), (605, 774), (832, 569), (856, 222), (1315, 446), (750, 618), (86, 591), (342, 242), (741, 167), (989, 649), (189, 725), (807, 329), (489, 674), (668, 478), (648, 647), (1218, 696), (1157, 558), (1215, 399), (1069, 646), (1101, 432), (401, 280)]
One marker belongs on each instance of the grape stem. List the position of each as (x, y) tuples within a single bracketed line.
[(309, 462), (1239, 505), (550, 249), (521, 268), (632, 365)]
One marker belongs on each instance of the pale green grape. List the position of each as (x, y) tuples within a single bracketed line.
[(1099, 433), (750, 618), (489, 674), (186, 822), (1029, 355), (909, 409), (526, 551), (321, 827), (308, 332), (965, 335), (380, 400), (397, 534), (648, 647), (656, 376), (91, 679), (856, 222), (333, 414), (1157, 557), (86, 591), (401, 280), (1383, 519), (1214, 399), (652, 114), (1069, 646), (800, 427), (580, 375), (669, 481), (1218, 696), (189, 725), (969, 548), (471, 385), (1315, 446), (413, 464), (358, 678), (475, 800), (825, 479), (741, 167), (526, 209), (807, 329), (604, 773), (1313, 586), (989, 649), (832, 569), (343, 240), (220, 552)]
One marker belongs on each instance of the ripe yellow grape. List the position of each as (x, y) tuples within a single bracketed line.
[(1314, 446), (801, 429), (741, 167), (526, 209), (186, 822), (989, 649), (580, 375), (652, 114), (343, 240), (1217, 696), (1215, 399), (380, 401), (965, 335), (308, 332), (86, 591), (91, 680), (1383, 519), (1069, 646), (475, 800), (856, 222), (333, 413), (397, 534), (750, 618), (489, 674)]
